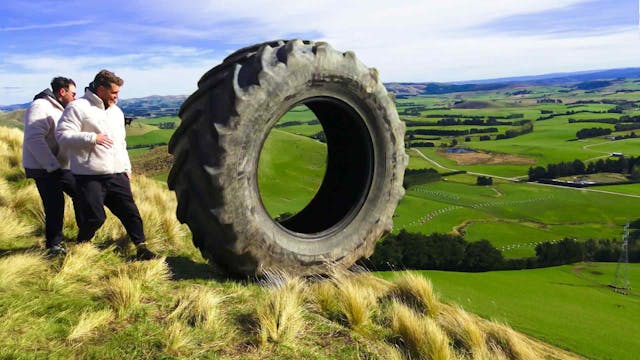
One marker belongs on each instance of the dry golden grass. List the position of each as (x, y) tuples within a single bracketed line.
[(416, 291), (88, 323), (177, 339), (505, 341), (464, 330), (357, 301), (401, 319), (200, 306), (13, 226), (21, 268), (280, 314), (150, 272), (421, 335), (122, 292)]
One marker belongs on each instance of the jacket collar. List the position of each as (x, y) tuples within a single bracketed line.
[(47, 94), (93, 98)]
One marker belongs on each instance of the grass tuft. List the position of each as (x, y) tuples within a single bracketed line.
[(357, 301), (200, 306), (13, 226), (280, 315), (89, 323), (503, 340), (464, 330), (122, 292), (417, 292), (21, 268), (421, 335), (177, 340)]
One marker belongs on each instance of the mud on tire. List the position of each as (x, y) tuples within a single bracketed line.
[(218, 144)]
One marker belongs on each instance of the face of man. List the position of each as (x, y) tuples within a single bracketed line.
[(108, 94), (67, 95)]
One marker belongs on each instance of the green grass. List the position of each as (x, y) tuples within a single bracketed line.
[(515, 215), (150, 137), (290, 171), (568, 306)]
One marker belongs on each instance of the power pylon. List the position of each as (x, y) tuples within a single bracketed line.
[(621, 280)]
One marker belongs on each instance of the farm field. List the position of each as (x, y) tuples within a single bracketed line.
[(513, 216), (568, 306)]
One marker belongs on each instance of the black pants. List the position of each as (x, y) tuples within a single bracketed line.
[(114, 192), (51, 187)]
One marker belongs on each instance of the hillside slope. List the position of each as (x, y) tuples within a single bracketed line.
[(97, 303)]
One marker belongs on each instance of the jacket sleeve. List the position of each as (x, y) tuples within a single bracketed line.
[(69, 130), (37, 125)]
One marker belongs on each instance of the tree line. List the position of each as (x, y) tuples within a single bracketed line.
[(625, 165), (437, 251)]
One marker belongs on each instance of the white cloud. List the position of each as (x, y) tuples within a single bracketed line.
[(422, 40)]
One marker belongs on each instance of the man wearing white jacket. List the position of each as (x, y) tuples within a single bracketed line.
[(92, 128), (45, 162)]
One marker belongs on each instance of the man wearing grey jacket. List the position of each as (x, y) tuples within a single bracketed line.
[(44, 160), (92, 128)]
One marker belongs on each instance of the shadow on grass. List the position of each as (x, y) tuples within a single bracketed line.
[(184, 268), (19, 250)]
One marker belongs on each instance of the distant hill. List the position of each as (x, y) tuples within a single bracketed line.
[(563, 78), (12, 119), (156, 106), (585, 80), (149, 106)]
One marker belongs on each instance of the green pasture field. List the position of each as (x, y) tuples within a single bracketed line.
[(632, 189), (290, 171), (514, 215), (152, 137), (568, 306), (157, 120), (138, 128), (304, 130)]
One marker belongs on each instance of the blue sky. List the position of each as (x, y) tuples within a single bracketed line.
[(162, 47)]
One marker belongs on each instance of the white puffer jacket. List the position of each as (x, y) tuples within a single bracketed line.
[(77, 130), (40, 150)]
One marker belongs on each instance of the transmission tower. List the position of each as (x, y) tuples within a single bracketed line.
[(621, 280)]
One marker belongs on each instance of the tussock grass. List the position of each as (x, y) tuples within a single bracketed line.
[(88, 323), (356, 301), (83, 265), (13, 226), (422, 336), (11, 153), (177, 339), (150, 272), (417, 292), (18, 269), (201, 307), (26, 202), (96, 304), (280, 314), (505, 341), (464, 330), (122, 292)]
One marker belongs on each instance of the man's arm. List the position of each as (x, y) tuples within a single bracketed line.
[(69, 130), (36, 126)]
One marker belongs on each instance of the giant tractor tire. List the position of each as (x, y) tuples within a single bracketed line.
[(218, 144)]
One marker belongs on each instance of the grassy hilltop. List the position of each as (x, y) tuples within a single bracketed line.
[(98, 303)]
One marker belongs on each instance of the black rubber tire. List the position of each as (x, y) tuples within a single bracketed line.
[(217, 147)]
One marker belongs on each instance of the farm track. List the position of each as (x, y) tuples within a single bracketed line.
[(518, 178)]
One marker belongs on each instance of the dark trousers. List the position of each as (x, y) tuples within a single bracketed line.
[(51, 187), (114, 192)]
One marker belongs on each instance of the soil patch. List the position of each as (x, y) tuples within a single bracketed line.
[(477, 158)]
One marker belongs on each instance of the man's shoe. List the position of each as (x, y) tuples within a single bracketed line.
[(143, 253), (56, 250)]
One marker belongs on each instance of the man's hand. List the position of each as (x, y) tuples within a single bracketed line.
[(104, 140)]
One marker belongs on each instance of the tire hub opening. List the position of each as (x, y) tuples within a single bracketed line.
[(349, 169)]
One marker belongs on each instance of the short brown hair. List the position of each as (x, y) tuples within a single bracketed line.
[(106, 78)]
